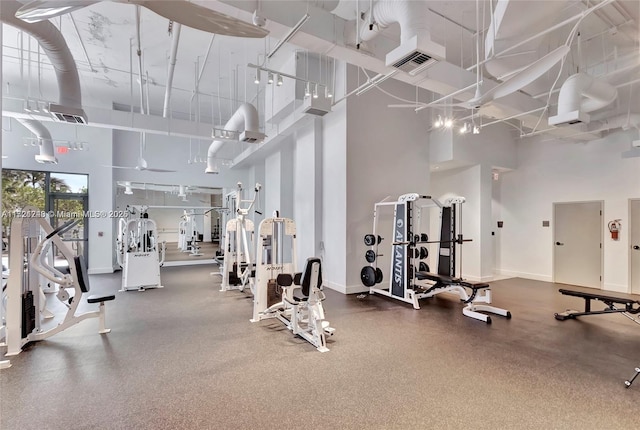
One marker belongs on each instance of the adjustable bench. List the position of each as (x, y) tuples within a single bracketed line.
[(630, 306), (444, 284)]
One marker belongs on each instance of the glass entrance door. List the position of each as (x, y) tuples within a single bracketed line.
[(64, 207)]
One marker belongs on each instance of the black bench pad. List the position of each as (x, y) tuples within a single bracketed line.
[(448, 280), (98, 299), (602, 298)]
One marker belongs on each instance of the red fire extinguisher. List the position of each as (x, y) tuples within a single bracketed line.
[(614, 228)]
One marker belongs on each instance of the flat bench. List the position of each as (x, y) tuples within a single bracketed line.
[(630, 305), (442, 281)]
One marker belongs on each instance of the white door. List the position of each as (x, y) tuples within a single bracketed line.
[(634, 241), (577, 244)]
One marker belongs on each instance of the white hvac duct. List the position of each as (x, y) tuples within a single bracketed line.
[(244, 119), (45, 143), (411, 15), (585, 93), (579, 95), (54, 45)]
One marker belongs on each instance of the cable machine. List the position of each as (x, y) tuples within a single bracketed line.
[(138, 251)]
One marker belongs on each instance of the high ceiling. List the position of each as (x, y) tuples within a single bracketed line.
[(104, 49)]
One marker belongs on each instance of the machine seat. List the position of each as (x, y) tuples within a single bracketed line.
[(447, 280), (100, 299)]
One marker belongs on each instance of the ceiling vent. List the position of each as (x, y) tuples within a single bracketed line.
[(573, 117), (252, 136), (316, 106), (67, 114), (415, 55)]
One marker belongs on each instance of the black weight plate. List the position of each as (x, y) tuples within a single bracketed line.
[(424, 267), (369, 239), (378, 275), (424, 237), (424, 253), (380, 239), (368, 276), (370, 256)]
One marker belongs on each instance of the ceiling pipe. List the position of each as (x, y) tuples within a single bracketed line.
[(411, 15), (139, 53), (175, 40), (55, 46), (45, 143), (244, 119)]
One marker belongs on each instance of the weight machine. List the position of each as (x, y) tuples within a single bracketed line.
[(138, 252), (28, 259), (410, 282), (276, 287), (237, 267), (188, 234)]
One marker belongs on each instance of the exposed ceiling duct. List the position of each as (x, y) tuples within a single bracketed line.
[(45, 143), (579, 95), (416, 51), (69, 107), (244, 120)]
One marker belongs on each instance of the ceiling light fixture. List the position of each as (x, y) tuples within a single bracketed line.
[(279, 80), (327, 93), (307, 89), (438, 122), (257, 80), (270, 78), (315, 91), (448, 123), (476, 129)]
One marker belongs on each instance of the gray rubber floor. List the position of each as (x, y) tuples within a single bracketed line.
[(187, 357)]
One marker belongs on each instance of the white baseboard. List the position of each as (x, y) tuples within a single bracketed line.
[(100, 270), (351, 289), (525, 275), (189, 263)]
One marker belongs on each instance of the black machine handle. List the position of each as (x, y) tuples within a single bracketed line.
[(64, 227), (559, 243), (636, 247)]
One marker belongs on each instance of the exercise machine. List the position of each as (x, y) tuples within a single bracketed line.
[(627, 307), (275, 255), (27, 260), (301, 308), (237, 266), (412, 282), (138, 251), (188, 234)]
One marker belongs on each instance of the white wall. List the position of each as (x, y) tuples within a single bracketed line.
[(91, 161), (387, 154), (555, 171), (307, 197)]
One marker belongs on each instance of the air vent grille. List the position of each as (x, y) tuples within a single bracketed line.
[(412, 61)]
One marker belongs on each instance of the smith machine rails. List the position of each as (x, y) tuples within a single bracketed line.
[(412, 282)]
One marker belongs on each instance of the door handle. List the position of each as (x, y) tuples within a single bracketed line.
[(559, 243), (636, 247)]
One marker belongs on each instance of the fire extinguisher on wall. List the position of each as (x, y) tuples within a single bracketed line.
[(614, 229)]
